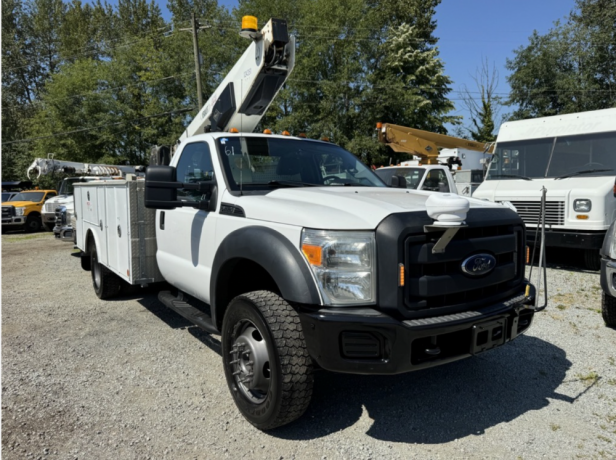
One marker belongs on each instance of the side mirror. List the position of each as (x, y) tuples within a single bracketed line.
[(397, 182), (160, 187)]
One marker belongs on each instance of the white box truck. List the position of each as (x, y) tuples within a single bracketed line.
[(574, 157)]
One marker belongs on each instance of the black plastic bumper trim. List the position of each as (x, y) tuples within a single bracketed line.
[(324, 328)]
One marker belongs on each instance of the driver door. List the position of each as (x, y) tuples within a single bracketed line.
[(185, 235)]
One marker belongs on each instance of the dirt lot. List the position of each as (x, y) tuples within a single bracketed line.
[(85, 378)]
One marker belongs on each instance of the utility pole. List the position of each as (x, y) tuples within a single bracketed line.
[(195, 27)]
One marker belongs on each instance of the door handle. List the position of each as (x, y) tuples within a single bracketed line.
[(162, 220)]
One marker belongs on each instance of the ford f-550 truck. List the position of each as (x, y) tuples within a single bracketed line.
[(299, 265)]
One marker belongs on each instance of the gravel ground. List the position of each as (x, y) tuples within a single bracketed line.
[(85, 378)]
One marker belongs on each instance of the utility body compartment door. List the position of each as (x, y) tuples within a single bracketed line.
[(117, 230)]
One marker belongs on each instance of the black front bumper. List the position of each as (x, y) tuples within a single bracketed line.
[(366, 341), (568, 239)]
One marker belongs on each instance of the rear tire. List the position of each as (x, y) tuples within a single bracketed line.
[(106, 284), (33, 224), (266, 362), (608, 309), (592, 259)]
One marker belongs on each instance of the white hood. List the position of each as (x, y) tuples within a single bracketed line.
[(336, 208), (516, 189)]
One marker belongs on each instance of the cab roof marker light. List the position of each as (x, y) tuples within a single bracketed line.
[(233, 130), (267, 131)]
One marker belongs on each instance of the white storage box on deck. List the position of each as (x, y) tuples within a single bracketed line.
[(123, 228)]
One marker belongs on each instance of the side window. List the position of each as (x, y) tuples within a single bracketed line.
[(436, 181), (195, 165)]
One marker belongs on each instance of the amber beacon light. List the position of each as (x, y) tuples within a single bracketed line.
[(249, 27)]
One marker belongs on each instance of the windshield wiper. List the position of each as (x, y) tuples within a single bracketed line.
[(510, 175), (586, 171)]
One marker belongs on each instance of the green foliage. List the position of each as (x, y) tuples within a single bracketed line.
[(94, 82), (572, 68)]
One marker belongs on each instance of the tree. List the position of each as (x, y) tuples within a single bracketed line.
[(569, 69), (484, 109)]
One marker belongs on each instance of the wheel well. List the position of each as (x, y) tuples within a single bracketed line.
[(238, 276), (34, 214), (89, 242)]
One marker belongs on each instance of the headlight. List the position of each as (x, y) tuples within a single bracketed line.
[(583, 205), (343, 264), (609, 243), (19, 211)]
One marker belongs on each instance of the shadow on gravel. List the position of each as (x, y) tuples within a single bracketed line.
[(151, 303), (438, 405)]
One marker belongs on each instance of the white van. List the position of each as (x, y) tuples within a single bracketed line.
[(574, 157)]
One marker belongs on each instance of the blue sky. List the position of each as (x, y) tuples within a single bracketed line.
[(472, 31)]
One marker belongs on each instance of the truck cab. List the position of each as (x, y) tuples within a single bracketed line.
[(434, 178)]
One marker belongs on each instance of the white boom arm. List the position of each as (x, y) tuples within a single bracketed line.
[(44, 166), (252, 84)]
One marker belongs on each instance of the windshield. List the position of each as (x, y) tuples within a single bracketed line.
[(67, 186), (413, 176), (260, 163), (35, 197), (588, 154)]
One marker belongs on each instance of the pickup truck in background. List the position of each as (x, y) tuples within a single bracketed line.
[(434, 178), (24, 210)]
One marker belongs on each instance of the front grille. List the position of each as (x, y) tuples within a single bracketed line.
[(50, 207), (529, 212), (8, 211), (437, 280)]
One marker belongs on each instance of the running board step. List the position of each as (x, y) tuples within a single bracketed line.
[(192, 314)]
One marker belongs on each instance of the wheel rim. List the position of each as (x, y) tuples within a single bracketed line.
[(96, 272), (250, 362)]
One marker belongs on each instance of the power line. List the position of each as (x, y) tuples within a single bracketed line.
[(84, 129)]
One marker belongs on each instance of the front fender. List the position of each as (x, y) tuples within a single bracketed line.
[(272, 251)]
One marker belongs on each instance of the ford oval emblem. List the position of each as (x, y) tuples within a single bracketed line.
[(479, 264)]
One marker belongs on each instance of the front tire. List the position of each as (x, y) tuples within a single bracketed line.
[(266, 362), (106, 284), (592, 259), (608, 309), (33, 224)]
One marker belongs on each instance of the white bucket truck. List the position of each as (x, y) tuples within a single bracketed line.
[(574, 157), (298, 264)]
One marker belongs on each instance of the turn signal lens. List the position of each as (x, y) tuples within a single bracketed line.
[(527, 254), (582, 217), (313, 253), (400, 275)]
